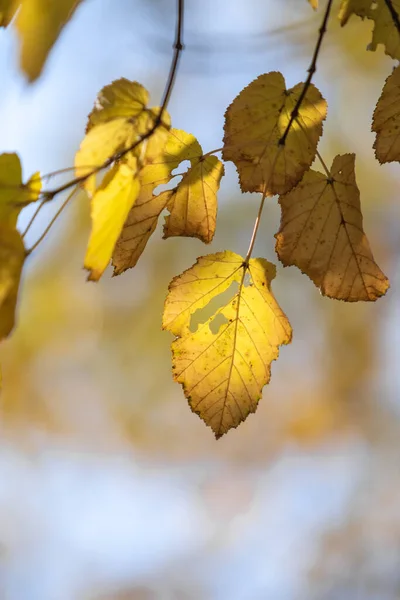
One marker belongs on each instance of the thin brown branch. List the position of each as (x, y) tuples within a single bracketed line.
[(394, 14), (311, 70), (178, 47)]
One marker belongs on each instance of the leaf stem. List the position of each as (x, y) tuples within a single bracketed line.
[(178, 47), (311, 70), (256, 226), (53, 220)]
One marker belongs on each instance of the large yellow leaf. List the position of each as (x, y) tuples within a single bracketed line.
[(386, 121), (223, 372), (254, 125), (14, 194), (12, 256), (322, 233), (192, 203), (110, 206), (385, 31), (8, 9), (39, 23)]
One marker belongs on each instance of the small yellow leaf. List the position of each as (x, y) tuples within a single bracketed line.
[(254, 125), (14, 194), (159, 162), (314, 4), (322, 234), (118, 121), (12, 256), (110, 206), (39, 23), (193, 204), (386, 120), (385, 31), (121, 99), (223, 372), (8, 9)]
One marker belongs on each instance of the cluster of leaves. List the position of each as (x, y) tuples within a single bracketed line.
[(271, 134)]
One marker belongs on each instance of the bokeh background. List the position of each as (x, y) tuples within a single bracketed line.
[(110, 488)]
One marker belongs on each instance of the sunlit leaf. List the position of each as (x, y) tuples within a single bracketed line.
[(192, 203), (322, 233), (385, 31), (14, 194), (12, 256), (254, 125), (118, 120), (386, 121), (110, 206), (314, 4), (8, 9), (39, 23), (223, 372)]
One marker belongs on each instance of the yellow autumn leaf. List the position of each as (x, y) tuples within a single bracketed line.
[(196, 194), (386, 120), (118, 120), (314, 4), (8, 8), (14, 194), (193, 203), (12, 256), (223, 372), (322, 234), (39, 23), (110, 206), (120, 99), (385, 31), (254, 125)]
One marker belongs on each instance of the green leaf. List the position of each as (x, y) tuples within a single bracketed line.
[(14, 194)]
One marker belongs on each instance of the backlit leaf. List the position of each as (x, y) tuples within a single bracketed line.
[(254, 125), (118, 120), (39, 23), (12, 256), (223, 372), (110, 206), (196, 195), (385, 31), (386, 121), (14, 194), (322, 233), (193, 203)]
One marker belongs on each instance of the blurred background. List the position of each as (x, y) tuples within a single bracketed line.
[(110, 488)]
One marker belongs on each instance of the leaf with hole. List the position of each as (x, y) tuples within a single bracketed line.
[(385, 30), (223, 372), (322, 233)]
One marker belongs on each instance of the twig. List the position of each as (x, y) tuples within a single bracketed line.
[(178, 47), (35, 214), (394, 14), (311, 70), (256, 226), (54, 219)]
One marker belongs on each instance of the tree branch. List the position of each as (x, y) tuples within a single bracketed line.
[(311, 70), (178, 47)]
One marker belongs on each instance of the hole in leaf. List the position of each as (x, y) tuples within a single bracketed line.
[(247, 279), (202, 315), (176, 178)]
